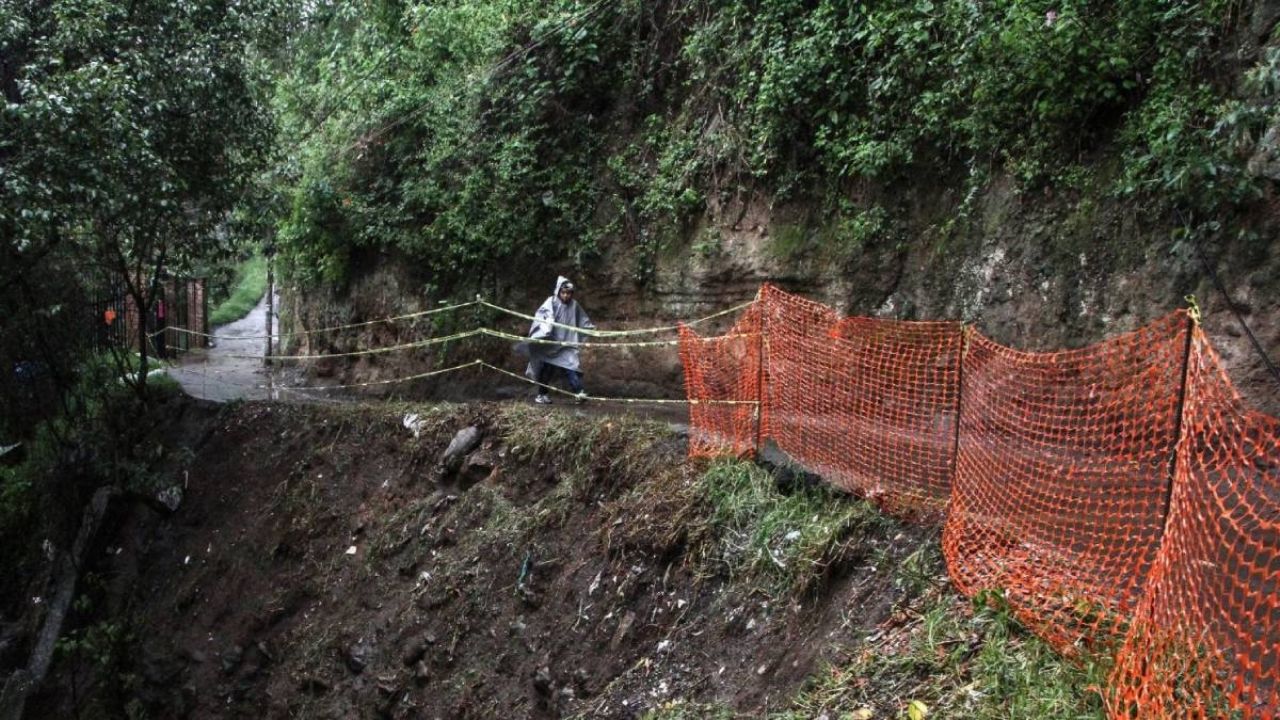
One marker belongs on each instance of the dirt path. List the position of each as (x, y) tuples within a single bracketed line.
[(221, 374), (218, 374)]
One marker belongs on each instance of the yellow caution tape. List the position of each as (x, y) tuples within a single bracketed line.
[(616, 333), (480, 363), (475, 333), (459, 306)]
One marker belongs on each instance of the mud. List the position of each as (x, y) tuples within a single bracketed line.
[(325, 564)]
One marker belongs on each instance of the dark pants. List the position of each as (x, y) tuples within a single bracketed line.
[(548, 373)]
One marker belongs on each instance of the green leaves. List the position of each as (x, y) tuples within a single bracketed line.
[(445, 124)]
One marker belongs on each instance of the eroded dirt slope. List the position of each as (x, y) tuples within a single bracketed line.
[(327, 563)]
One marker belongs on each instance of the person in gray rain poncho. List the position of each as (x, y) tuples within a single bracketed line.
[(547, 359)]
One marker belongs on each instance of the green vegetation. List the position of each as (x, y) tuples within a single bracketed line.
[(733, 517), (247, 288), (959, 661), (99, 435), (943, 656), (789, 540), (484, 132), (131, 132), (596, 460)]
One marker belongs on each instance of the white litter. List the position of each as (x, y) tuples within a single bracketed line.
[(413, 423)]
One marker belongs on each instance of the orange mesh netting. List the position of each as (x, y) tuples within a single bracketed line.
[(868, 404), (1206, 639), (1060, 481), (722, 381), (1063, 473)]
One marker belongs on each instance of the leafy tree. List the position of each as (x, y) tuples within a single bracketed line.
[(130, 131)]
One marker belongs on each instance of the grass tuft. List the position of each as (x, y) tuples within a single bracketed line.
[(959, 658), (248, 287), (789, 539)]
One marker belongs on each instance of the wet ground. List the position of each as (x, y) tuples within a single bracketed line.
[(233, 368)]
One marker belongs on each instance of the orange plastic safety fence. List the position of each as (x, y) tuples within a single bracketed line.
[(1206, 637), (719, 369), (1064, 492), (869, 404), (1065, 460)]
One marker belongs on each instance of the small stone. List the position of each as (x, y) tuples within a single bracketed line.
[(762, 669), (463, 442), (542, 680), (357, 657), (530, 598)]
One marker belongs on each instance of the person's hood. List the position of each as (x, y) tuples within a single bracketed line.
[(559, 281)]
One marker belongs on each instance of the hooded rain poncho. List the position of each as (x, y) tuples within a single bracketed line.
[(570, 314)]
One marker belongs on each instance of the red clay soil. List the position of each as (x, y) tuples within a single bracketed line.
[(325, 564)]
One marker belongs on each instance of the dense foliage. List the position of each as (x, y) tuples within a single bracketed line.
[(471, 133), (129, 131)]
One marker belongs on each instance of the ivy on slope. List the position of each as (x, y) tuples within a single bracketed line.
[(471, 134)]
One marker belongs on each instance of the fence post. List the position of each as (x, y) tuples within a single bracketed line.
[(271, 292), (955, 447), (1193, 316), (760, 350)]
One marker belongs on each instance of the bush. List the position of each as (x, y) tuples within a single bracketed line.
[(496, 131), (247, 288)]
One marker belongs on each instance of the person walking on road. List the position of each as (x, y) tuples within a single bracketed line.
[(556, 326)]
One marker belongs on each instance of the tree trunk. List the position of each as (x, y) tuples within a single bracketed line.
[(18, 686)]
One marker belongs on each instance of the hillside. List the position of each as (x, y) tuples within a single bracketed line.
[(749, 515), (325, 562), (1055, 173)]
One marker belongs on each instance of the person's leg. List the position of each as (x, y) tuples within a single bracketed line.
[(545, 375), (575, 380), (575, 383)]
